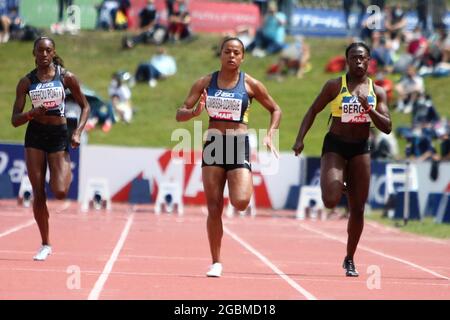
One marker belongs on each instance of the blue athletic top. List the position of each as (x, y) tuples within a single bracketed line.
[(49, 94), (228, 104)]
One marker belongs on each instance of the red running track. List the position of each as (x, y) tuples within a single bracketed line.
[(131, 253)]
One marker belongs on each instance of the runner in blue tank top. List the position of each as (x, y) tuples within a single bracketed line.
[(46, 139), (226, 95)]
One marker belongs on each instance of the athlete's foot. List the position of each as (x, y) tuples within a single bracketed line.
[(215, 270), (43, 252), (350, 269)]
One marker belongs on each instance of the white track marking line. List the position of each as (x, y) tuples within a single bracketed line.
[(414, 237), (30, 222), (98, 287), (267, 262), (17, 228), (411, 264)]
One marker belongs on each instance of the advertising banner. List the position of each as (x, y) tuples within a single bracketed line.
[(12, 162)]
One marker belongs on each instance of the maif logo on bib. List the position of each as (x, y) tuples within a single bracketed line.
[(353, 111)]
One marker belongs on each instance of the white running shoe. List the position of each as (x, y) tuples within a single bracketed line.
[(215, 270), (43, 253)]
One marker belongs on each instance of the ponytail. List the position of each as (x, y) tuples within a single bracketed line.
[(57, 60)]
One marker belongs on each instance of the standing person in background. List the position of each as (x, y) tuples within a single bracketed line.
[(355, 102), (226, 94), (62, 6), (46, 139)]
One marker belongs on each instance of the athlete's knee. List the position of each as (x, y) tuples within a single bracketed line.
[(60, 194), (330, 201), (240, 204)]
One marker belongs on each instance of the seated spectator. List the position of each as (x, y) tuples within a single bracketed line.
[(294, 59), (106, 13), (424, 111), (150, 31), (120, 96), (442, 130), (420, 146), (382, 52), (409, 89), (10, 21), (270, 37), (395, 24), (179, 23), (385, 146), (445, 147), (160, 66), (244, 33), (102, 115)]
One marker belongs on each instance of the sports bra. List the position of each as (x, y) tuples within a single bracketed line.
[(228, 104), (49, 94), (348, 108)]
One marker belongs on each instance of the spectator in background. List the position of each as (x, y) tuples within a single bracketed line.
[(121, 15), (160, 66), (395, 23), (382, 52), (179, 22), (294, 59), (170, 5), (438, 13), (9, 19), (385, 146), (62, 7), (106, 13), (123, 107), (445, 146), (150, 31), (262, 6), (347, 6), (102, 115), (422, 15), (409, 89), (420, 146), (270, 37)]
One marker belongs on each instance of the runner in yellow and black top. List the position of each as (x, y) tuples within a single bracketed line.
[(355, 103), (226, 95)]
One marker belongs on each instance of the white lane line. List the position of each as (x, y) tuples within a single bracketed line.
[(266, 261), (17, 228), (98, 287), (411, 264)]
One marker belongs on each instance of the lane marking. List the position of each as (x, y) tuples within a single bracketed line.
[(98, 287), (409, 263), (17, 228), (267, 262)]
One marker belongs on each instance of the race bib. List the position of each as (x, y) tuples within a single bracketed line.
[(353, 111), (224, 106), (50, 95)]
